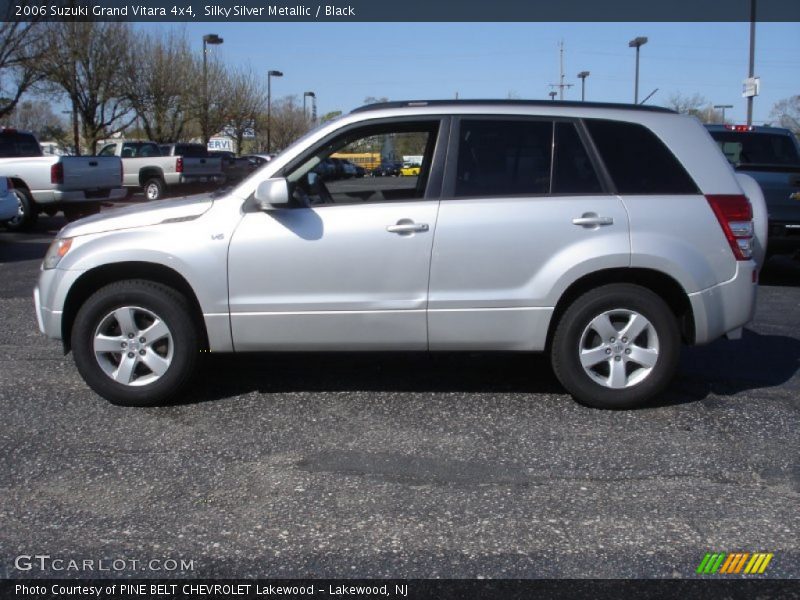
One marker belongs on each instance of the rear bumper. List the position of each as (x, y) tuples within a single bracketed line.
[(202, 178), (726, 307), (77, 196)]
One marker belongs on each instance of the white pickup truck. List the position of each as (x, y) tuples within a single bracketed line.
[(145, 167), (77, 185)]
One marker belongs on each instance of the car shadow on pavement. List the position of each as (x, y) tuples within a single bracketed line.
[(14, 250), (782, 270), (726, 368), (224, 376), (723, 368)]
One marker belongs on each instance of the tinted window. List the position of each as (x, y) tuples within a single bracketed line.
[(504, 158), (18, 144), (639, 162), (573, 172), (191, 150), (749, 148), (108, 150)]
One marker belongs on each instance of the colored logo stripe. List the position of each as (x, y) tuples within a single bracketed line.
[(732, 564)]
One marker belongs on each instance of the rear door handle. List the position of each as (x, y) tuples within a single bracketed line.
[(592, 220), (406, 226)]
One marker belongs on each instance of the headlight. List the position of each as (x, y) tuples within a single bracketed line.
[(57, 250)]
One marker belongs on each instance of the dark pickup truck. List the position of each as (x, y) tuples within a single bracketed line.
[(771, 156)]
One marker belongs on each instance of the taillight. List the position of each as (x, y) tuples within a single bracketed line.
[(179, 165), (739, 127), (57, 173), (735, 216)]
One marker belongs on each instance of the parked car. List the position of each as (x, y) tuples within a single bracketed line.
[(9, 205), (75, 185), (771, 156), (604, 234), (387, 169), (257, 160), (410, 170), (327, 169), (145, 167)]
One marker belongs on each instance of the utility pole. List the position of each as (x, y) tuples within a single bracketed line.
[(751, 69), (722, 107), (561, 85), (582, 76)]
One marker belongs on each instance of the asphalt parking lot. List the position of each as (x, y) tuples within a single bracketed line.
[(399, 465)]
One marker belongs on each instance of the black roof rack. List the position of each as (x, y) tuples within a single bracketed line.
[(559, 103)]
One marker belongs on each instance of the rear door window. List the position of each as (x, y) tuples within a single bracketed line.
[(573, 172), (499, 157), (18, 144), (637, 160)]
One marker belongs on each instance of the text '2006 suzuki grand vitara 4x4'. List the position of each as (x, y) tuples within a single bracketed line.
[(604, 234)]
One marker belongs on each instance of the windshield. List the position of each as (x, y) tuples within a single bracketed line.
[(757, 148)]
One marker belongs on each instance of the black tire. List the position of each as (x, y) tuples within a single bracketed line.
[(184, 343), (576, 332), (154, 189), (28, 212)]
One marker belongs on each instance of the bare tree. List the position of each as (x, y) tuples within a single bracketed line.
[(247, 101), (38, 116), (288, 121), (786, 113), (159, 79), (20, 47), (86, 61), (213, 117), (695, 105)]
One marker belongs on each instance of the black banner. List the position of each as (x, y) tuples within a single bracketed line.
[(407, 11), (413, 589)]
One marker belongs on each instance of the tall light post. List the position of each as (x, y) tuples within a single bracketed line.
[(582, 76), (210, 39), (270, 75), (751, 67), (553, 95), (637, 43), (313, 97), (722, 107)]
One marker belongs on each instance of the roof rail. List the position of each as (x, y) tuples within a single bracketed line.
[(557, 103)]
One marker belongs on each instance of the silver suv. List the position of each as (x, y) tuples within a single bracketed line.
[(603, 234)]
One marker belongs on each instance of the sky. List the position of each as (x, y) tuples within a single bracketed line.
[(343, 63)]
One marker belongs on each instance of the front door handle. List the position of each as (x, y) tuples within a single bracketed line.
[(592, 220), (406, 226)]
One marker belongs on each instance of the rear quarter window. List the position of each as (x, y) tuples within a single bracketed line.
[(637, 160)]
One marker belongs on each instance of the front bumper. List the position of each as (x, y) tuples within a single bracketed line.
[(726, 307), (49, 298)]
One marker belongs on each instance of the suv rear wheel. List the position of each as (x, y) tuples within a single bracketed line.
[(616, 346), (135, 342)]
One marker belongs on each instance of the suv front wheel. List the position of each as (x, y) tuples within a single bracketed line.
[(135, 342), (616, 346)]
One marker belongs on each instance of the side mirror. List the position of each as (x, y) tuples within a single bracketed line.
[(272, 194)]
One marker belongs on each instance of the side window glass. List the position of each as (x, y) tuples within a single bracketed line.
[(148, 150), (108, 150), (638, 162), (504, 157), (573, 172), (128, 151), (344, 170)]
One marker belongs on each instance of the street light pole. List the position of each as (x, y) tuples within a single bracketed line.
[(751, 69), (553, 95), (214, 40), (637, 43), (270, 75), (722, 107), (582, 76), (313, 97)]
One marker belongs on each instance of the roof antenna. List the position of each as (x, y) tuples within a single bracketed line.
[(650, 95)]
